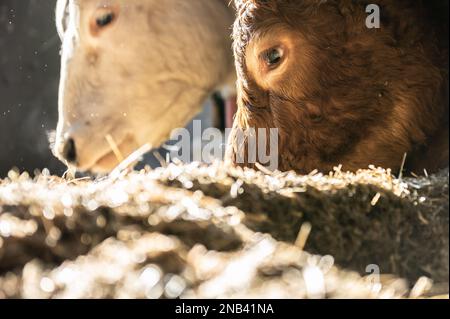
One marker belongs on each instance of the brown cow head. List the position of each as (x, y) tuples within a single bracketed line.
[(338, 92)]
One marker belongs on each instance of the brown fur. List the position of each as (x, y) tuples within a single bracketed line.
[(356, 96)]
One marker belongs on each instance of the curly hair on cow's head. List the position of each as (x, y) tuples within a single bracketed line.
[(339, 92)]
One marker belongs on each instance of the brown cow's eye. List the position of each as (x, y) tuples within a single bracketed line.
[(273, 57), (105, 19)]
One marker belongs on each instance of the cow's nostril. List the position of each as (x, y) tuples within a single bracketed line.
[(69, 151)]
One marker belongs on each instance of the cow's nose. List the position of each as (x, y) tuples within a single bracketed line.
[(69, 151)]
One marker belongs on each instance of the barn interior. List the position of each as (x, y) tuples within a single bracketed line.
[(174, 229)]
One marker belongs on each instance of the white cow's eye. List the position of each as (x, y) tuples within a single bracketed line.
[(105, 19)]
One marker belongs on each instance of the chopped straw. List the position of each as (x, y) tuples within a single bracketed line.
[(114, 148), (303, 235), (130, 161)]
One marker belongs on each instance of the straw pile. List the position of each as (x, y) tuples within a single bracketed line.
[(194, 231)]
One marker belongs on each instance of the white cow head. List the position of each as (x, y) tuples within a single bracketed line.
[(133, 70)]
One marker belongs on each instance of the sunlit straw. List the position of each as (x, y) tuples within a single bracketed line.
[(114, 148), (303, 235), (130, 160)]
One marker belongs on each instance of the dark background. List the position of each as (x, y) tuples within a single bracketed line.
[(29, 72)]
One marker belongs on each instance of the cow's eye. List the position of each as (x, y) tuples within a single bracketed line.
[(105, 19), (272, 57)]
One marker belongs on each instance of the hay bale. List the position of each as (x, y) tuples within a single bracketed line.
[(361, 219), (184, 231)]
